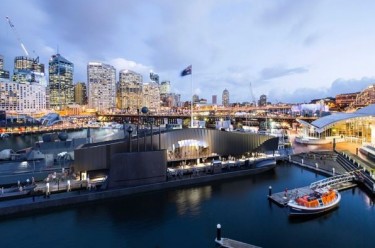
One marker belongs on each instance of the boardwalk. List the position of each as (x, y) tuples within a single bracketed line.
[(230, 243)]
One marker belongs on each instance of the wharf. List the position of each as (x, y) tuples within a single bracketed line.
[(230, 243), (339, 183)]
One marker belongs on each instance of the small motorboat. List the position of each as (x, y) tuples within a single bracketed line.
[(319, 201)]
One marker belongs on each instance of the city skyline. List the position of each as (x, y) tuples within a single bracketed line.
[(290, 51)]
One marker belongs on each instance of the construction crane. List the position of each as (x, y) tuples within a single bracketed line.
[(17, 36), (252, 96)]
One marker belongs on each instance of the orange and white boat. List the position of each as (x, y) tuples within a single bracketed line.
[(319, 201)]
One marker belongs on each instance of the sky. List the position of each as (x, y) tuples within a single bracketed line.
[(292, 51)]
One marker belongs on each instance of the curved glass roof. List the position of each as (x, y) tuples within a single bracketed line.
[(322, 123)]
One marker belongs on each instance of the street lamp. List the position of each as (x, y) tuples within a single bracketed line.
[(130, 130), (144, 111)]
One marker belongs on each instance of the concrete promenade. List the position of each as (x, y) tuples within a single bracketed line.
[(302, 150)]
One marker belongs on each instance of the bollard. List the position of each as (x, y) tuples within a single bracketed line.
[(218, 232), (269, 190), (47, 190), (333, 171), (302, 161), (68, 186), (373, 187), (316, 165)]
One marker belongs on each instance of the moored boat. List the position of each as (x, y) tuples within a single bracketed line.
[(319, 201)]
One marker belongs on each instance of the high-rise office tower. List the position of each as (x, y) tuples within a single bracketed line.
[(195, 98), (3, 73), (129, 90), (263, 100), (151, 96), (80, 93), (101, 86), (225, 98), (165, 87), (214, 99), (60, 86), (1, 62), (165, 96), (28, 69), (154, 77)]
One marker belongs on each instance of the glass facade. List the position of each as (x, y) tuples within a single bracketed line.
[(225, 98), (28, 69), (80, 93), (60, 87)]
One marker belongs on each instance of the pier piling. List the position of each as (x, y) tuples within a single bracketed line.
[(218, 232), (269, 190)]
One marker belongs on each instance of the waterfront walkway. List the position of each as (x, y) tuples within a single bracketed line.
[(82, 192)]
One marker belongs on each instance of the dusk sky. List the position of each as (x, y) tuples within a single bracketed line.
[(290, 50)]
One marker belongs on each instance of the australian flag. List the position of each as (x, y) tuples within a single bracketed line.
[(186, 71)]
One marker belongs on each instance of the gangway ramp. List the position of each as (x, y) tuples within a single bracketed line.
[(338, 182)]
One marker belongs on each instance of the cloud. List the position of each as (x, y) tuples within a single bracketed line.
[(87, 26), (280, 71), (121, 63), (311, 39), (342, 86), (339, 86), (287, 11)]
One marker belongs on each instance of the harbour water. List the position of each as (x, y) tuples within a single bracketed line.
[(187, 217)]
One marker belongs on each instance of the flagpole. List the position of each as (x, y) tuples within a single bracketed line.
[(192, 99)]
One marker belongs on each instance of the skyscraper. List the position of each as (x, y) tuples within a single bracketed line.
[(129, 90), (1, 62), (263, 100), (151, 96), (165, 96), (165, 87), (80, 93), (225, 98), (101, 86), (154, 77), (195, 98), (60, 87), (3, 74), (214, 99), (28, 69)]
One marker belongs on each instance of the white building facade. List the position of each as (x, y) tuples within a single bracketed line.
[(22, 97), (151, 96), (129, 91), (101, 86)]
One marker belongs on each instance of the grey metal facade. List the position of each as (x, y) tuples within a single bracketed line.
[(98, 156)]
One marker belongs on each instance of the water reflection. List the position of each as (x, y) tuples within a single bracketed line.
[(188, 201), (321, 218)]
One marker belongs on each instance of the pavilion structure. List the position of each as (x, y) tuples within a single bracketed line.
[(356, 127)]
